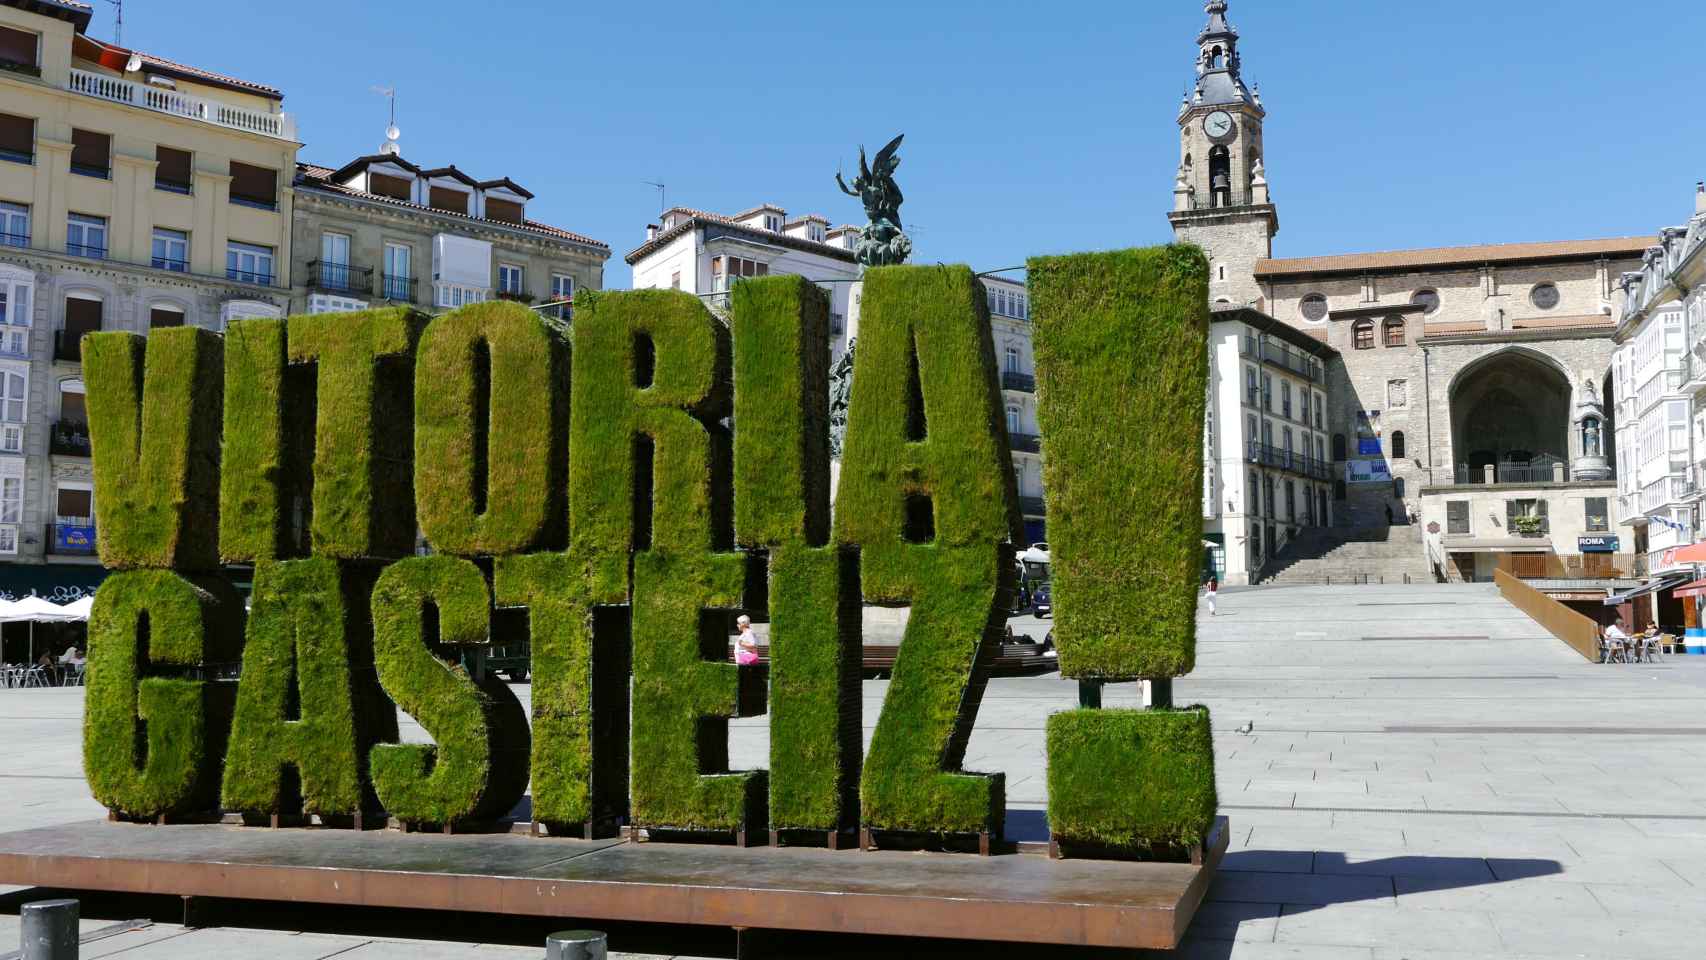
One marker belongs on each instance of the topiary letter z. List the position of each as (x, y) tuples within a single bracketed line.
[(927, 495), (1121, 347)]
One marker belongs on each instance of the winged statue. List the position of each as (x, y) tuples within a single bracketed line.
[(882, 242)]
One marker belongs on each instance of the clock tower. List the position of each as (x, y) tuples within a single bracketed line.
[(1220, 197)]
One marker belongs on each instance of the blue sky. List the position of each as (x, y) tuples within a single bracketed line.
[(1031, 128)]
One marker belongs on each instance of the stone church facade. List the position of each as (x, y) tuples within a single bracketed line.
[(1469, 387)]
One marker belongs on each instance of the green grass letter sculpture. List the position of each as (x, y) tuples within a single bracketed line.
[(1125, 332)]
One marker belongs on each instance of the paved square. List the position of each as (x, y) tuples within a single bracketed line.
[(1430, 777)]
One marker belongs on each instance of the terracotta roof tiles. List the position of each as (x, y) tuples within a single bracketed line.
[(1397, 260)]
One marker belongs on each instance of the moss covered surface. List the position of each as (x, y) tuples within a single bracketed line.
[(580, 688), (309, 700), (153, 743), (363, 496), (1121, 384), (682, 609), (491, 431), (476, 770), (154, 426), (780, 329), (253, 452), (1129, 778), (926, 440)]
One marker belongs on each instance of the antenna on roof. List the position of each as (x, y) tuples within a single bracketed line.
[(118, 25), (390, 147), (663, 194)]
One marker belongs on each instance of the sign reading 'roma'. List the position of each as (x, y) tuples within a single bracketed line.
[(614, 491)]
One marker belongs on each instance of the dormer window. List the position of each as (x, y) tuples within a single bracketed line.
[(507, 211), (386, 185), (773, 223)]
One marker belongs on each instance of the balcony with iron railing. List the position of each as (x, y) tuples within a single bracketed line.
[(68, 345), (1025, 442), (1223, 199), (1018, 382), (334, 277), (1543, 469), (398, 288), (1288, 358), (518, 296), (281, 126), (1301, 464), (69, 438)]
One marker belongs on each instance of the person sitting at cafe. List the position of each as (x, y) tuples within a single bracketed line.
[(1615, 638)]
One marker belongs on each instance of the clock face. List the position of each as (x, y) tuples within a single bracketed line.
[(1218, 124)]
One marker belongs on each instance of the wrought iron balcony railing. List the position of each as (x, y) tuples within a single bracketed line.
[(334, 277), (69, 438), (1021, 382)]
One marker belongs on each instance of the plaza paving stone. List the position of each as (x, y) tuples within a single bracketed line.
[(1404, 795)]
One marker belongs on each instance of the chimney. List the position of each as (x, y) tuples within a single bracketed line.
[(1700, 196), (651, 232)]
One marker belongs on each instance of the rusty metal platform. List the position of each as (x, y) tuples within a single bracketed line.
[(1018, 897)]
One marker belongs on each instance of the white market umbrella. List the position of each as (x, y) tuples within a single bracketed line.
[(35, 609), (80, 609)]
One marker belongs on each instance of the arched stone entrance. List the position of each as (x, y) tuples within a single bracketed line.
[(1511, 410)]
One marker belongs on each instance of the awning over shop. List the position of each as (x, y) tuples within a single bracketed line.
[(1656, 584), (57, 582), (1694, 588), (1693, 553)]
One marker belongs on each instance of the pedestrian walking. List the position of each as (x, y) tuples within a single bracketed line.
[(1211, 589), (746, 645)]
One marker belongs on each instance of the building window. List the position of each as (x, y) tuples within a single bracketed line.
[(1303, 400), (165, 315), (457, 295), (397, 188), (1012, 420), (726, 270), (86, 236), (398, 279), (563, 292), (510, 278), (92, 154), (507, 211), (1398, 445), (675, 280), (16, 287), (448, 200), (173, 170), (1012, 354), (1268, 392), (1338, 446), (1313, 307), (17, 139), (1362, 334), (1544, 296), (249, 263), (1252, 394), (20, 51), (333, 268), (1526, 517), (234, 310), (253, 186), (1398, 487), (332, 303), (14, 394), (12, 494), (1597, 516), (1320, 411), (1394, 331), (171, 250), (1291, 500), (14, 225), (1255, 495), (1428, 300), (1457, 517)]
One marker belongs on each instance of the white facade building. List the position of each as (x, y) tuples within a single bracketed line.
[(1266, 476)]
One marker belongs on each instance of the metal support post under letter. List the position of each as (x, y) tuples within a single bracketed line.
[(575, 945), (49, 930), (1090, 694), (1161, 693)]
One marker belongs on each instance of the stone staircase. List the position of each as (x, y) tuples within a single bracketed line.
[(1352, 555)]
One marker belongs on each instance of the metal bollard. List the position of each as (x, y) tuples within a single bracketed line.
[(48, 930), (575, 945)]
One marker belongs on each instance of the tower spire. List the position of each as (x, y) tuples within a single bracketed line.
[(1219, 77)]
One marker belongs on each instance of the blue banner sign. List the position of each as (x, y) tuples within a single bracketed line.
[(1597, 544), (73, 538)]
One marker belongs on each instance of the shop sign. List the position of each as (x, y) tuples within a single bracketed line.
[(1601, 543), (1368, 447), (1367, 471)]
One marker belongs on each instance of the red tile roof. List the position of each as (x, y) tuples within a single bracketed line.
[(114, 57), (1396, 260), (318, 177)]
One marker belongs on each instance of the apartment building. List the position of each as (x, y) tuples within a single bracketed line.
[(1659, 379), (1266, 473), (706, 254), (381, 229), (135, 192)]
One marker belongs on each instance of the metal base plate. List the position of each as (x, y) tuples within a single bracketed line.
[(1027, 898)]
